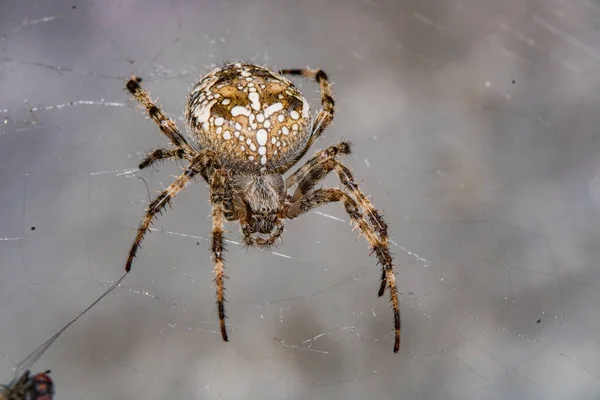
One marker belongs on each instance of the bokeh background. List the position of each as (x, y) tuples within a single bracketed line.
[(475, 129)]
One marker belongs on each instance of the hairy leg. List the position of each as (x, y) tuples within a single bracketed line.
[(197, 166), (317, 168), (162, 154), (218, 185), (380, 247), (342, 148), (166, 125), (325, 115)]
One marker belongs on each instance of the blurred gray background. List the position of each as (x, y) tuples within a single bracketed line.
[(475, 130)]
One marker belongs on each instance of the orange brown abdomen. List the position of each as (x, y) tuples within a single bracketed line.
[(252, 117)]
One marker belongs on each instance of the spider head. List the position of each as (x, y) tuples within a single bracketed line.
[(263, 196)]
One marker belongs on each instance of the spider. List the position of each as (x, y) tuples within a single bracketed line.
[(247, 126)]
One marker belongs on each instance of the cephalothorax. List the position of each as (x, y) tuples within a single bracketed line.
[(247, 126)]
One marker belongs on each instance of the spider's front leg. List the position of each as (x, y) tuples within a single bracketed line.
[(218, 193), (317, 168), (323, 196), (198, 165), (378, 244)]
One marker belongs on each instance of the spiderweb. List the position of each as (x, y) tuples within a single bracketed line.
[(474, 129)]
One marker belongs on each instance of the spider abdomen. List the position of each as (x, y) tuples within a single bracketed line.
[(252, 117)]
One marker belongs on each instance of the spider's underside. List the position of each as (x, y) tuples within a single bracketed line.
[(247, 126)]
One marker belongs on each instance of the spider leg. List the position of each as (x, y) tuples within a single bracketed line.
[(374, 217), (197, 166), (318, 167), (325, 115), (379, 245), (166, 125), (162, 154), (315, 169), (218, 185)]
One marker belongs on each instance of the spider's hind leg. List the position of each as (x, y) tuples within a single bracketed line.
[(379, 245), (198, 165), (218, 194)]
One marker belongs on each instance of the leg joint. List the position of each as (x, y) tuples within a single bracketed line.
[(133, 84), (321, 76)]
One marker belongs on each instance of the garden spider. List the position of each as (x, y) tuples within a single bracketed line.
[(247, 126)]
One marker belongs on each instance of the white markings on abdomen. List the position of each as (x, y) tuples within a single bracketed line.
[(239, 110), (262, 137), (273, 108), (254, 100), (202, 113)]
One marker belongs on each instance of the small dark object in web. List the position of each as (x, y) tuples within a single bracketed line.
[(27, 387)]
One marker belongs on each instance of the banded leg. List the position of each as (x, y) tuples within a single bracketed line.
[(325, 115), (317, 168), (322, 164), (166, 125), (342, 148), (218, 186), (379, 246), (162, 154), (374, 217), (197, 166)]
